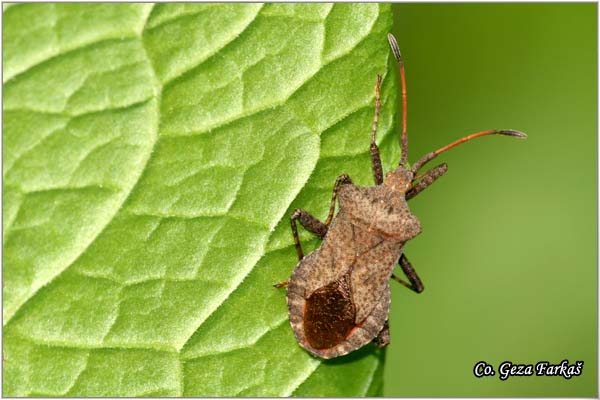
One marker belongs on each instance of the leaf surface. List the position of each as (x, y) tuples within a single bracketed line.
[(151, 160)]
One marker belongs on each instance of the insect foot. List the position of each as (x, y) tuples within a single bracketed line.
[(339, 296)]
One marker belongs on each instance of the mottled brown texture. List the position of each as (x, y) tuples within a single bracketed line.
[(329, 314), (415, 282), (338, 296), (371, 270), (342, 179), (358, 337), (364, 251), (380, 209), (311, 223), (427, 179), (383, 337)]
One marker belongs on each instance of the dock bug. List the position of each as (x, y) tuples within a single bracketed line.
[(338, 296)]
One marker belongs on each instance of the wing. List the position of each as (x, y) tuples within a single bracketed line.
[(371, 270), (329, 314), (332, 260)]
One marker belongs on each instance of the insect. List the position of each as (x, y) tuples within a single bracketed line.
[(338, 296)]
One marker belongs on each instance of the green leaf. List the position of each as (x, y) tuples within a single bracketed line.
[(152, 155)]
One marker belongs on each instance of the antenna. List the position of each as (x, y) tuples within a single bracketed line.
[(430, 156), (403, 137)]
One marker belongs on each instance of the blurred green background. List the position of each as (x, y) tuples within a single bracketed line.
[(508, 250)]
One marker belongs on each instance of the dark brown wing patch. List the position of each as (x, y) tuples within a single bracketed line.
[(329, 314)]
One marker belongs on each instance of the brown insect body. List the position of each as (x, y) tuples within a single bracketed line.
[(338, 296), (356, 259)]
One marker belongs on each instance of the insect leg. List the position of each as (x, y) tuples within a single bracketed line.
[(375, 157), (341, 180), (415, 282), (427, 179), (311, 223), (383, 337)]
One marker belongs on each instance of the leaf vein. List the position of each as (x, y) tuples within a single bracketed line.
[(99, 232), (276, 104)]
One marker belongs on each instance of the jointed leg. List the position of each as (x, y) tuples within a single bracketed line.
[(311, 223), (426, 180), (383, 337), (415, 282), (341, 180), (375, 157)]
